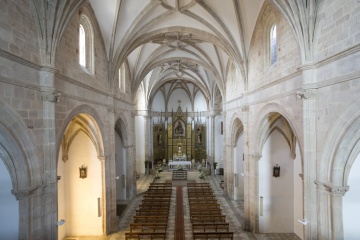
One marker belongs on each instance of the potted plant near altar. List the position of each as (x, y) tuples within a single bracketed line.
[(215, 165), (202, 175), (146, 166)]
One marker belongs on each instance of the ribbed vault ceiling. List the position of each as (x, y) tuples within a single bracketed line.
[(174, 41)]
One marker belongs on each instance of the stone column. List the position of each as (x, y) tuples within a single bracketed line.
[(49, 202), (147, 139), (106, 218), (131, 172), (311, 205), (110, 179), (330, 211), (251, 201), (212, 137)]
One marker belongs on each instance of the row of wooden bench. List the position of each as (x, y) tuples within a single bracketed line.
[(205, 213), (150, 221)]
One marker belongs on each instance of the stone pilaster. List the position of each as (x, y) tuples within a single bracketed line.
[(49, 202), (251, 213), (105, 216)]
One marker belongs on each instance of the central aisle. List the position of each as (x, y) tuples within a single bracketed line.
[(179, 233)]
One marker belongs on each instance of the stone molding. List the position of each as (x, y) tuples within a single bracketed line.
[(111, 109), (333, 190), (26, 193)]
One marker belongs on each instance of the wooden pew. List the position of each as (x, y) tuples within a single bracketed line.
[(148, 227), (208, 218), (137, 236), (205, 211), (212, 235), (149, 212), (157, 197), (210, 227), (205, 206), (146, 206), (205, 201), (198, 184), (200, 197), (155, 187), (150, 219), (156, 201)]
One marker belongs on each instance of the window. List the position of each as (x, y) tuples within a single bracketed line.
[(273, 45), (86, 45), (82, 44)]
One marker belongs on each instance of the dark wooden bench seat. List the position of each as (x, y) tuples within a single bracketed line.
[(210, 227), (213, 235), (205, 211), (208, 219), (147, 206), (206, 201), (150, 219), (204, 206), (200, 197), (198, 184), (150, 212), (152, 236), (148, 227), (157, 201)]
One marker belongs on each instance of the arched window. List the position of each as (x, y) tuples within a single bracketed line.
[(273, 45), (82, 44), (122, 77), (86, 45)]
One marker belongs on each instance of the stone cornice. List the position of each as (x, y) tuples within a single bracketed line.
[(19, 60)]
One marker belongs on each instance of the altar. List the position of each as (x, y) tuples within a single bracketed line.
[(185, 164), (179, 158)]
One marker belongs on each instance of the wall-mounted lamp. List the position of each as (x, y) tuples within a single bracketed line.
[(83, 171), (276, 171)]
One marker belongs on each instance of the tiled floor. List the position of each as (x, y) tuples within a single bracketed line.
[(232, 209)]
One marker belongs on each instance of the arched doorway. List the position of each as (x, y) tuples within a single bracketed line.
[(80, 184), (238, 160), (121, 166), (280, 178), (351, 206), (9, 207)]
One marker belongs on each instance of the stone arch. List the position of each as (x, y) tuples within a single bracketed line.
[(341, 148), (237, 127), (265, 126), (122, 126), (18, 151), (90, 123)]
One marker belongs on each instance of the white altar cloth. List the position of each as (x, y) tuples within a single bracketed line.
[(173, 164)]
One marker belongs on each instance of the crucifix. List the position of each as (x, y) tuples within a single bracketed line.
[(179, 102)]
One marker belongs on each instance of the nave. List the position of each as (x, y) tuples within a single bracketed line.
[(231, 208)]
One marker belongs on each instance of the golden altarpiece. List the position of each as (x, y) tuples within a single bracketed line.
[(178, 139)]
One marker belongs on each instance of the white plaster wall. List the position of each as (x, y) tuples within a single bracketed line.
[(298, 195), (199, 102), (82, 194), (9, 207), (239, 168), (61, 196), (174, 98), (120, 162), (140, 144), (351, 206), (277, 193), (158, 103)]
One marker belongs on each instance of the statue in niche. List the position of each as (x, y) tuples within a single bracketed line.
[(179, 129), (199, 136), (159, 136)]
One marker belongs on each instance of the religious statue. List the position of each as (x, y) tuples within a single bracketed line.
[(159, 136), (199, 136)]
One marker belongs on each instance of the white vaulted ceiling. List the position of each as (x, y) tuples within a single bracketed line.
[(178, 40)]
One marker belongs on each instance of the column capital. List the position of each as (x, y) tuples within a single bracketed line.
[(333, 190), (25, 193), (306, 94), (102, 158), (111, 109), (255, 156), (51, 96)]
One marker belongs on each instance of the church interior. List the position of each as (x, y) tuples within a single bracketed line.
[(179, 119)]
